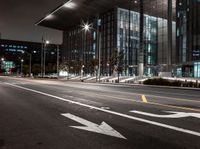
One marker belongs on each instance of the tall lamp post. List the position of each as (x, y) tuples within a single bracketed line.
[(22, 61), (87, 27), (45, 48), (82, 72), (58, 60), (108, 73), (30, 61), (2, 62)]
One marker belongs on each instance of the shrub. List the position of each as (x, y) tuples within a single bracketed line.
[(165, 82)]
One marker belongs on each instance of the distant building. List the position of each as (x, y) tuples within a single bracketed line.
[(12, 52)]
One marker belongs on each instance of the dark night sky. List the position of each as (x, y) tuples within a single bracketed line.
[(17, 19)]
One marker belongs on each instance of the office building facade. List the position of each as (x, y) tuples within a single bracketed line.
[(119, 30), (168, 36), (188, 38)]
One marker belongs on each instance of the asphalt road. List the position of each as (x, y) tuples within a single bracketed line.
[(50, 114)]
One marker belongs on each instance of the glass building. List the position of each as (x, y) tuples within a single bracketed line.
[(162, 34), (119, 30), (128, 40), (188, 37)]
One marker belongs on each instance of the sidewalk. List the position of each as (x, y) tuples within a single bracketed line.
[(122, 84)]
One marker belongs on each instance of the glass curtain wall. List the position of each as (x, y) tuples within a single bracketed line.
[(188, 36), (108, 40), (197, 70), (80, 47), (120, 29), (128, 38), (152, 26), (159, 9)]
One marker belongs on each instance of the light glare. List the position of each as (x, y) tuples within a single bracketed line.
[(86, 26), (70, 5), (47, 42), (49, 16)]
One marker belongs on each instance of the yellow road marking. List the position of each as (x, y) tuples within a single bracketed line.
[(144, 99), (175, 107), (149, 103)]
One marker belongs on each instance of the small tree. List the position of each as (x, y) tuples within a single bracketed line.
[(117, 62), (66, 65), (25, 69), (36, 68), (51, 68), (113, 60), (92, 65)]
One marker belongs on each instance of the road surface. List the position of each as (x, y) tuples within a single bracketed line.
[(51, 114)]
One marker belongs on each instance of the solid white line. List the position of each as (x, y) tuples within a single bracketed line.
[(173, 115), (114, 113)]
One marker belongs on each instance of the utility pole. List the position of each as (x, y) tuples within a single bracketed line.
[(46, 42), (58, 60), (42, 51), (30, 64), (44, 60), (22, 61)]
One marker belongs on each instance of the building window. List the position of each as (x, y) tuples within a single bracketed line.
[(197, 70)]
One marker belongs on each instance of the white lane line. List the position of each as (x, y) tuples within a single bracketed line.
[(172, 115), (107, 108), (114, 113)]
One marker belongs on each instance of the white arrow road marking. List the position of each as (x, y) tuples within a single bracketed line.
[(103, 128), (110, 111), (174, 115)]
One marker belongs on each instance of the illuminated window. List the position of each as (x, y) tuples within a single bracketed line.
[(197, 70)]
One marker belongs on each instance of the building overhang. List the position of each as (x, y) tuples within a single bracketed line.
[(72, 12)]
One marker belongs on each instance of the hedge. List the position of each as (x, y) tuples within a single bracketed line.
[(165, 82)]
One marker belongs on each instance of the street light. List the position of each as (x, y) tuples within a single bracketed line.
[(82, 71), (45, 46), (87, 27), (2, 62), (30, 61), (22, 67), (47, 42), (58, 55), (108, 73)]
